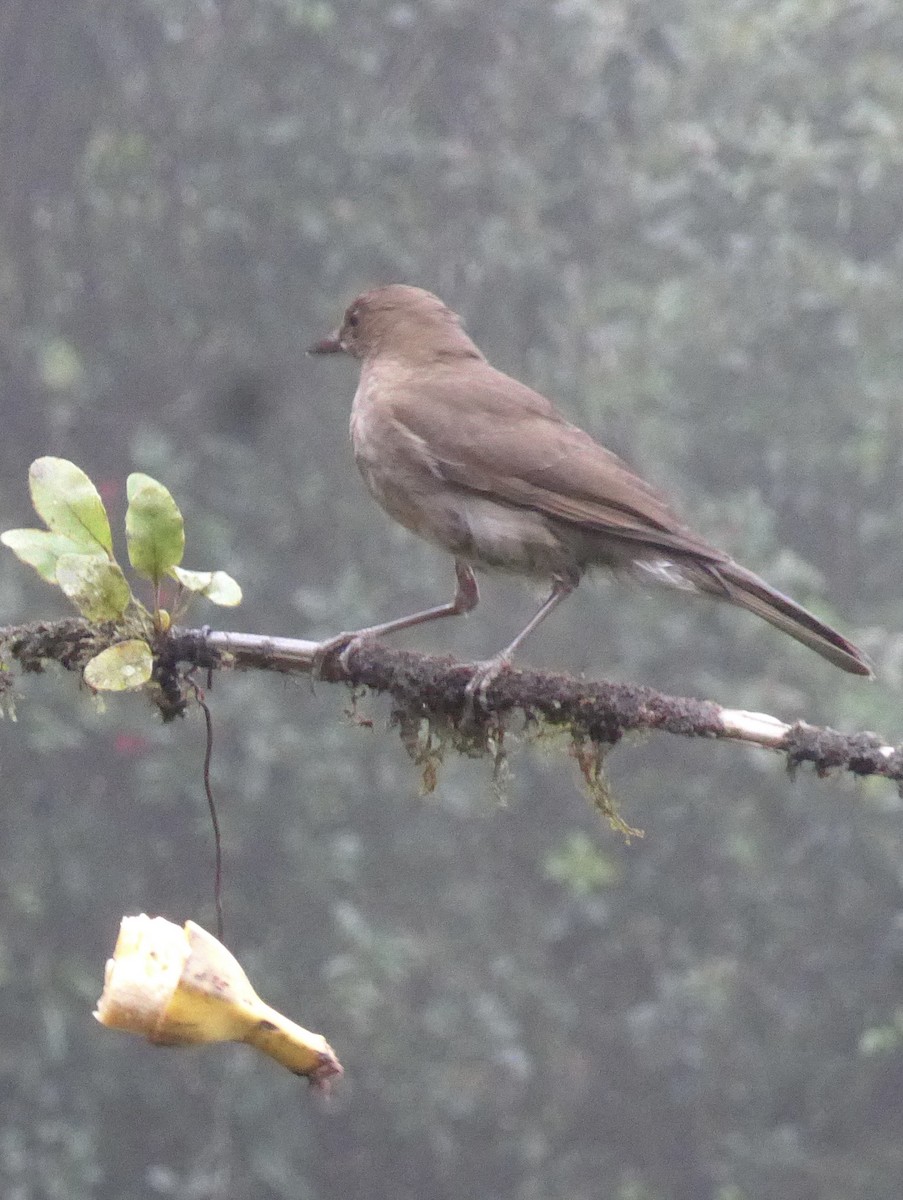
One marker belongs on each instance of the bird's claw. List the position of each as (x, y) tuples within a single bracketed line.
[(354, 643), (346, 642), (477, 690)]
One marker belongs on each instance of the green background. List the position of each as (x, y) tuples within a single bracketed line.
[(682, 220)]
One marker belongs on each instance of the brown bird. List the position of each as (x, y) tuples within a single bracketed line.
[(481, 465)]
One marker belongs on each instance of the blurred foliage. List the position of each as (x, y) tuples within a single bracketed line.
[(683, 220)]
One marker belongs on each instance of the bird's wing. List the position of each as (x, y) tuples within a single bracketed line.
[(487, 433)]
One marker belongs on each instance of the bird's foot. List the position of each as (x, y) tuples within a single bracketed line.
[(346, 642), (484, 675)]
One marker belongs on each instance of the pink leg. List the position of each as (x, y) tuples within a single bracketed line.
[(489, 670), (466, 598)]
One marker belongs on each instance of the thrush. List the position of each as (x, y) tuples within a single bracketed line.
[(483, 466)]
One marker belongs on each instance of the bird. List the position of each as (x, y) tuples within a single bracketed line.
[(488, 469)]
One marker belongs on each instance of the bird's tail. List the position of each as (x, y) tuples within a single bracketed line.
[(738, 586)]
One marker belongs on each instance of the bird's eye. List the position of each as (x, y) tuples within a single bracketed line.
[(353, 320)]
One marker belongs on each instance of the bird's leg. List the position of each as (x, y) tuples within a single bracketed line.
[(486, 672), (466, 598)]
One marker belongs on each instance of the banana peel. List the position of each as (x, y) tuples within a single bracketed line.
[(179, 986)]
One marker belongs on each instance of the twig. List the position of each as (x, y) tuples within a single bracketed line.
[(424, 685)]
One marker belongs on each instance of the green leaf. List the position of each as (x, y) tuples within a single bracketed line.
[(154, 528), (96, 586), (215, 585), (39, 548), (125, 665), (70, 504)]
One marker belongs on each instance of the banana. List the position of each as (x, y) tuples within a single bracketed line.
[(181, 987)]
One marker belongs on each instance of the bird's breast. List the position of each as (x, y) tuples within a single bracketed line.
[(394, 462)]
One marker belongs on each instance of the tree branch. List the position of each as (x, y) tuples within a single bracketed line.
[(426, 687)]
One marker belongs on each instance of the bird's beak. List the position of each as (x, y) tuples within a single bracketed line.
[(327, 345)]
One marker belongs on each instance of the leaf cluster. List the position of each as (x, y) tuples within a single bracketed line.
[(75, 553)]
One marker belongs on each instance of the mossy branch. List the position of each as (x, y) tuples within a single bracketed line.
[(430, 688)]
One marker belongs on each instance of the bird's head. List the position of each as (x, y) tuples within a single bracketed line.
[(400, 321)]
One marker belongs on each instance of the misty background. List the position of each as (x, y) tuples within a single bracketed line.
[(683, 220)]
